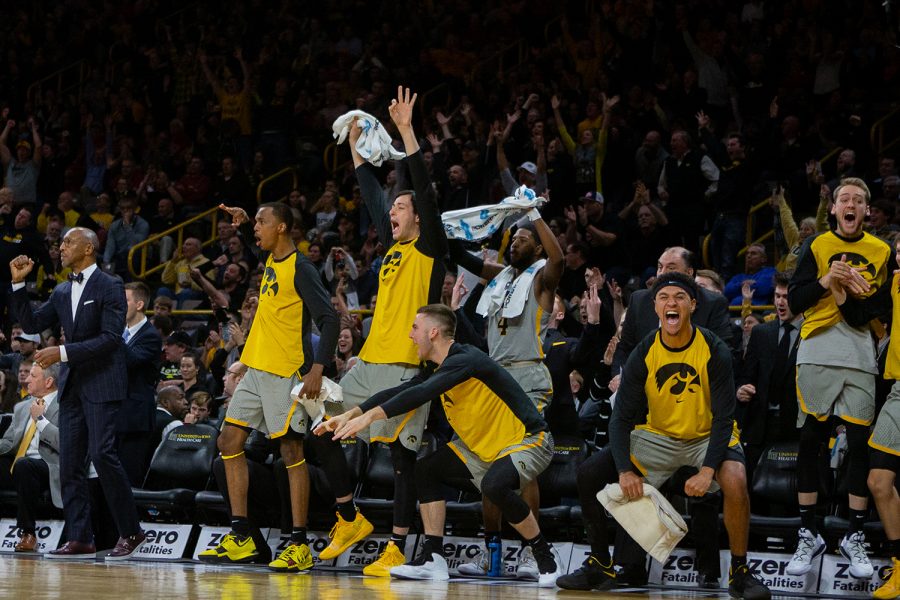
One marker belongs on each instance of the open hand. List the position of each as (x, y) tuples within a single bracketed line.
[(401, 107)]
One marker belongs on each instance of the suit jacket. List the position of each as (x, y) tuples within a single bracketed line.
[(48, 446), (641, 319), (95, 368), (760, 365), (142, 360)]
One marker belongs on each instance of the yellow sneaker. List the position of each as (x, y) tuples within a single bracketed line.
[(391, 557), (344, 534), (232, 549), (890, 589), (296, 557)]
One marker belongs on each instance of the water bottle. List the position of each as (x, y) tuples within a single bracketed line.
[(495, 554)]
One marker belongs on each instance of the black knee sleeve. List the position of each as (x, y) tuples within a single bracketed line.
[(334, 463), (858, 457), (500, 484), (404, 461), (813, 435)]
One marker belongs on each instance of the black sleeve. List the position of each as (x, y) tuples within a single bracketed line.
[(628, 340), (315, 299), (804, 289), (452, 371), (714, 147), (464, 259), (722, 401), (432, 239), (859, 311), (384, 395), (245, 231), (376, 203), (630, 406), (466, 332)]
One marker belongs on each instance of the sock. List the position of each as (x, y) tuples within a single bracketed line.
[(542, 553), (241, 526), (298, 535), (399, 541), (737, 562), (893, 548), (347, 510), (857, 518), (434, 544), (808, 518)]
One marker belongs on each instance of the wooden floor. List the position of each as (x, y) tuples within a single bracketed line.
[(34, 577)]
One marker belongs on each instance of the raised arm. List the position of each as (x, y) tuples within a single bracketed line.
[(5, 154), (548, 278)]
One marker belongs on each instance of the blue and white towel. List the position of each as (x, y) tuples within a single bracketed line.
[(374, 145), (480, 222), (508, 293)]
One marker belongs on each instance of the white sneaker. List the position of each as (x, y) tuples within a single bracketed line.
[(808, 548), (853, 547), (478, 567), (548, 580), (434, 569), (527, 567)]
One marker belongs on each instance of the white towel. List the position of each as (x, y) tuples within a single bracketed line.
[(479, 222), (507, 292), (374, 145), (315, 407), (653, 523)]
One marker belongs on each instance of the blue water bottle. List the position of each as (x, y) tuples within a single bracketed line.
[(495, 554)]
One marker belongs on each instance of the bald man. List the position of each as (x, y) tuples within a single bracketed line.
[(93, 381)]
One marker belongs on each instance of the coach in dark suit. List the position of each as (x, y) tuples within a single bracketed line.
[(641, 319), (143, 346), (92, 384), (767, 394)]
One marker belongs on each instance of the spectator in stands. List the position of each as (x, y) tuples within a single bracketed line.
[(881, 216), (9, 393), (795, 235), (710, 280), (165, 218), (233, 375), (200, 402), (646, 232), (688, 179), (193, 376), (341, 268), (175, 347), (171, 407), (134, 428), (22, 377), (219, 247), (177, 273), (757, 272), (348, 346), (21, 171), (649, 160), (28, 345), (34, 466), (231, 185), (162, 306), (236, 104), (126, 232)]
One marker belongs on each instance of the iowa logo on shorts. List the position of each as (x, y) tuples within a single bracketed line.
[(269, 283), (391, 264), (857, 261), (683, 377)]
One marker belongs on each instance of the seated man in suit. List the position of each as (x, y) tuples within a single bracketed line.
[(171, 406), (35, 464)]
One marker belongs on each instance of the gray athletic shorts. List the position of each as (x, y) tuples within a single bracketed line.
[(530, 457), (659, 456), (886, 433), (534, 378), (263, 401), (823, 391), (363, 381)]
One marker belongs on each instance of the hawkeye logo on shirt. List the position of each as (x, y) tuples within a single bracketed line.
[(391, 264), (857, 261), (684, 375), (270, 283)]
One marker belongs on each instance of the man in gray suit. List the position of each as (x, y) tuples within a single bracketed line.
[(32, 441)]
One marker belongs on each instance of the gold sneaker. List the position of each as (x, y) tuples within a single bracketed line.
[(294, 558), (890, 589), (344, 534), (391, 557), (232, 549)]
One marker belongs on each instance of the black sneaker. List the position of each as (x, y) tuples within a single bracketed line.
[(707, 581), (591, 576), (742, 584), (632, 576)]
